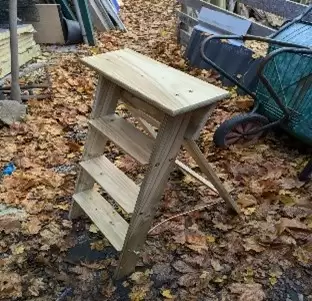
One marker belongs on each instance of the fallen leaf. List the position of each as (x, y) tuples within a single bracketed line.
[(248, 292), (33, 225), (250, 244), (196, 241), (10, 286), (167, 294), (182, 267), (98, 245), (139, 293), (64, 207), (216, 265), (210, 239), (246, 200), (36, 286), (18, 249), (188, 280), (309, 221), (286, 223), (10, 223), (188, 179), (291, 183), (139, 277), (93, 229), (249, 211)]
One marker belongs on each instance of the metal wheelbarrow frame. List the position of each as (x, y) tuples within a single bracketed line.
[(249, 127)]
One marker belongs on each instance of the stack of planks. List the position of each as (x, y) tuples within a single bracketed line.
[(105, 14), (27, 47)]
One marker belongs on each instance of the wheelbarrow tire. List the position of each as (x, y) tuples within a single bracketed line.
[(306, 173), (254, 120)]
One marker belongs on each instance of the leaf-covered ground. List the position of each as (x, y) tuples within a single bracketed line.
[(208, 254)]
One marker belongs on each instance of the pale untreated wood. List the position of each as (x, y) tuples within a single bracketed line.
[(126, 136), (190, 131), (142, 106), (106, 100), (186, 170), (104, 216), (166, 88), (199, 158), (198, 120), (121, 188), (143, 116), (167, 146)]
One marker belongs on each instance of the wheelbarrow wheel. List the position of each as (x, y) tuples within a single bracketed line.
[(306, 173), (236, 129)]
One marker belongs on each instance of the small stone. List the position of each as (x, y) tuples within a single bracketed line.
[(12, 111)]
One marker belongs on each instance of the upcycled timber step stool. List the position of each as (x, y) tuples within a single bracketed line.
[(179, 105)]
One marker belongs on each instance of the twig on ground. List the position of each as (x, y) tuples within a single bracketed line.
[(183, 213)]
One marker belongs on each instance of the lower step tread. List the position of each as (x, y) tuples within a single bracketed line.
[(121, 188), (104, 216)]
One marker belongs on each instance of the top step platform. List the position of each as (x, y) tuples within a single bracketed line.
[(170, 90)]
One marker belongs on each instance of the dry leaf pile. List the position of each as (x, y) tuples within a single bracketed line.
[(205, 255)]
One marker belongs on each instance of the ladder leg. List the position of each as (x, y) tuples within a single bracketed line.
[(197, 155), (167, 146), (105, 103)]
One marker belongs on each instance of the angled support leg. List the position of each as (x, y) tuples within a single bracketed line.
[(205, 167), (167, 146)]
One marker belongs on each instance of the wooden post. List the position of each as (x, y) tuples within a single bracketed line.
[(105, 103), (167, 146), (15, 88)]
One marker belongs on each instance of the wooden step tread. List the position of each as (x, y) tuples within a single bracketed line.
[(104, 216), (125, 135), (121, 188)]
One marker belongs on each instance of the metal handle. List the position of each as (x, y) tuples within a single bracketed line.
[(242, 38)]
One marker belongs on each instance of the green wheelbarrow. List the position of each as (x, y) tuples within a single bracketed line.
[(283, 96)]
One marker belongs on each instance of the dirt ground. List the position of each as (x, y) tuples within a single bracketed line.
[(208, 254)]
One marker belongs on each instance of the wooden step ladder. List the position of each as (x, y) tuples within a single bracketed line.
[(179, 106)]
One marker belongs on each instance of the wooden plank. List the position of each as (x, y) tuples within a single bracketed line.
[(104, 216), (164, 87), (106, 99), (50, 17), (126, 136), (142, 116), (186, 170), (141, 105), (285, 9), (255, 28), (191, 131), (168, 143), (122, 189), (199, 158), (198, 120)]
